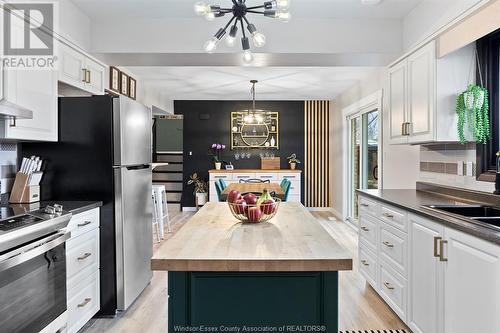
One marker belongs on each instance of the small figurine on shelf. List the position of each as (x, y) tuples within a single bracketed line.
[(273, 142)]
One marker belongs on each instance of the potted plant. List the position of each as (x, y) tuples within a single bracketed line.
[(216, 149), (200, 188), (473, 112), (293, 161)]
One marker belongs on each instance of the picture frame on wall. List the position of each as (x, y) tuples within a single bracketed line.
[(124, 87), (132, 88), (114, 79)]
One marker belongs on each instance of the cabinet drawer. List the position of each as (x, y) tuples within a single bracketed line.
[(394, 247), (83, 222), (368, 265), (294, 187), (243, 176), (393, 289), (84, 302), (368, 231), (267, 176), (82, 253), (217, 176), (394, 216), (367, 206), (291, 176), (294, 198)]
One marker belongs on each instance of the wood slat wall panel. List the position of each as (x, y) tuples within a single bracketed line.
[(317, 165)]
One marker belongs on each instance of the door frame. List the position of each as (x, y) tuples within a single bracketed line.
[(367, 104)]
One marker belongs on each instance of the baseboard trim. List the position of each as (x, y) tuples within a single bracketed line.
[(189, 209), (319, 209)]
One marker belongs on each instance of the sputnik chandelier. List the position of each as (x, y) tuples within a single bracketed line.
[(275, 9)]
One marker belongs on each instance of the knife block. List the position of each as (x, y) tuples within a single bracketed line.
[(22, 192)]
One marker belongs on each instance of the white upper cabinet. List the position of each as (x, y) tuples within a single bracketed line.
[(397, 102), (471, 284), (80, 71), (423, 92), (32, 89)]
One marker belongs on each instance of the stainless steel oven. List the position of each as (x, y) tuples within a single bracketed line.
[(33, 284)]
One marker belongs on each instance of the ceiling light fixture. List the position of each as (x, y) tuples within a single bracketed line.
[(254, 115), (275, 9)]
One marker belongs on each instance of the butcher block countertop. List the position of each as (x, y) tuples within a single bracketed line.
[(255, 171), (214, 241)]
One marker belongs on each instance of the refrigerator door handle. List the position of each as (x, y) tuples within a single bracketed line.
[(138, 167)]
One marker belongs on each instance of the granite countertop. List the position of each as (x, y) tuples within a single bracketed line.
[(414, 200), (74, 207)]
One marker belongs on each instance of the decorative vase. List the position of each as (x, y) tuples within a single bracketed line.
[(218, 165), (293, 165), (201, 199)]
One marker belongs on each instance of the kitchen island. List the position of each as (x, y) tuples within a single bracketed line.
[(262, 277)]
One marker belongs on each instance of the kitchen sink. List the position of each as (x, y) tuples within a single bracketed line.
[(475, 211), (486, 216)]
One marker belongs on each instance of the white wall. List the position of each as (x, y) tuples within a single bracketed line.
[(429, 16), (400, 164)]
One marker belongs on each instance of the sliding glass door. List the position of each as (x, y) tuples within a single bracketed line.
[(363, 158)]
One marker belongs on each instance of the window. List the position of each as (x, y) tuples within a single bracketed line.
[(488, 49)]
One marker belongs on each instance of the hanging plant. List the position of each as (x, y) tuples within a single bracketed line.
[(473, 110)]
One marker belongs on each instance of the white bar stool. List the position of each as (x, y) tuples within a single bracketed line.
[(156, 220), (161, 194)]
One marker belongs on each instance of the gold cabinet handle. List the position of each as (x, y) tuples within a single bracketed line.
[(408, 129), (365, 229), (85, 302), (436, 251), (84, 75), (365, 263), (85, 256), (389, 216), (84, 224), (87, 76), (441, 250), (403, 128), (388, 244), (388, 286)]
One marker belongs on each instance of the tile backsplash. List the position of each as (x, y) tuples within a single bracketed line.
[(450, 164)]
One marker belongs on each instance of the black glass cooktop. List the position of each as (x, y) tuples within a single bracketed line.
[(18, 222)]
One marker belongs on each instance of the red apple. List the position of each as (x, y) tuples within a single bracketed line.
[(268, 207), (240, 207), (254, 214), (250, 198), (233, 196)]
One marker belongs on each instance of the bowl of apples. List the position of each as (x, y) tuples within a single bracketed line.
[(252, 207)]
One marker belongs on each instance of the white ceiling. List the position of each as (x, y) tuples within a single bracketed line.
[(102, 10), (232, 83)]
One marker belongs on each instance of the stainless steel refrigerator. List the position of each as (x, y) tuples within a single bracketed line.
[(104, 153)]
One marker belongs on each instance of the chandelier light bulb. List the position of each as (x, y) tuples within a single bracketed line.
[(247, 56), (230, 41), (282, 4), (210, 15), (283, 16), (259, 40), (201, 8), (211, 45)]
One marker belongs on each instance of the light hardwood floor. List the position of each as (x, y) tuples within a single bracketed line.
[(360, 306)]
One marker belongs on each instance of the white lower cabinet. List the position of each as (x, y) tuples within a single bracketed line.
[(425, 277), (82, 266), (274, 177), (438, 280), (471, 284)]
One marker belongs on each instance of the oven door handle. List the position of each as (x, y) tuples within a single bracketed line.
[(32, 250)]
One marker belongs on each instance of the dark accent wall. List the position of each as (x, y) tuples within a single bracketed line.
[(199, 134)]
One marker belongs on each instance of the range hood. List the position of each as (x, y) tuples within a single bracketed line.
[(9, 110)]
